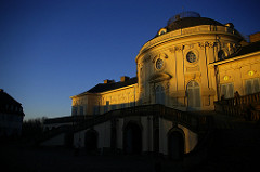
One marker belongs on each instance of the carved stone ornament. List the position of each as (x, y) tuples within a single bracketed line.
[(146, 58), (201, 45), (162, 55), (159, 77), (171, 50)]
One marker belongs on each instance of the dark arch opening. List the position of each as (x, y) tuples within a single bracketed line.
[(132, 140), (175, 145), (69, 139), (90, 140)]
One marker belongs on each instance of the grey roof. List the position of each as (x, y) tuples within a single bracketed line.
[(190, 22), (103, 87), (250, 48)]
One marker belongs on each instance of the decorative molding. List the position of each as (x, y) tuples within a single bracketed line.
[(192, 69), (159, 77), (209, 92), (180, 93)]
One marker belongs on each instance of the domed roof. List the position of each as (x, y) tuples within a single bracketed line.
[(189, 19)]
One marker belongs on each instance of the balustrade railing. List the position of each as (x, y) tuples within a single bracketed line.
[(246, 106), (192, 121)]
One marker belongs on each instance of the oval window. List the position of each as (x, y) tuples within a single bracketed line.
[(191, 57), (159, 63)]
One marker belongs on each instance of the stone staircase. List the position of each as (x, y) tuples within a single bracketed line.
[(234, 146)]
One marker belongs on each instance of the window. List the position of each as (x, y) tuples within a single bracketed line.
[(123, 105), (160, 95), (162, 31), (113, 107), (221, 55), (106, 107), (159, 63), (96, 110), (132, 104), (191, 57), (252, 86), (81, 110), (193, 94), (74, 110), (227, 90)]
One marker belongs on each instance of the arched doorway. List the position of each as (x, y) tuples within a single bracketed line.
[(132, 143), (69, 138), (193, 94), (90, 140), (175, 145)]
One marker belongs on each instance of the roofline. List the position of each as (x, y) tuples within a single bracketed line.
[(105, 92), (82, 94), (119, 89), (234, 58), (146, 48)]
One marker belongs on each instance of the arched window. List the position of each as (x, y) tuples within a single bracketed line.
[(193, 94)]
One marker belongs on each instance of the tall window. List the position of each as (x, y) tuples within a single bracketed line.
[(74, 110), (221, 55), (96, 110), (252, 86), (193, 94), (81, 110), (160, 95), (227, 90), (106, 107)]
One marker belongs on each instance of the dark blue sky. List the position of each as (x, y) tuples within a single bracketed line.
[(53, 49)]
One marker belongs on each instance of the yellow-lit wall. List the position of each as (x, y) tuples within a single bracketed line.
[(237, 70), (176, 71), (105, 101)]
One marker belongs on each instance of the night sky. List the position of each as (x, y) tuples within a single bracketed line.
[(53, 49)]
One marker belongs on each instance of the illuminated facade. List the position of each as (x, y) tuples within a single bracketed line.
[(191, 63)]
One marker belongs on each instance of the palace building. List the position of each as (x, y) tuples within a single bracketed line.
[(191, 63)]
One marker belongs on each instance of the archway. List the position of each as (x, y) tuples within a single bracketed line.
[(90, 140), (132, 143), (69, 138), (175, 145)]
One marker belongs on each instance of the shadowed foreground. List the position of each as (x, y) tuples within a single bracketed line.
[(61, 159)]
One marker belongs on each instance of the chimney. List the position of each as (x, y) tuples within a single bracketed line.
[(124, 78), (106, 81)]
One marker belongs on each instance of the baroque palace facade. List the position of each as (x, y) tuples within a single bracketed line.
[(191, 63)]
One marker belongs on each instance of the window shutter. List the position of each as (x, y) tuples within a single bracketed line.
[(162, 96), (256, 85), (189, 97), (223, 90), (231, 90), (248, 87), (81, 110), (197, 97)]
